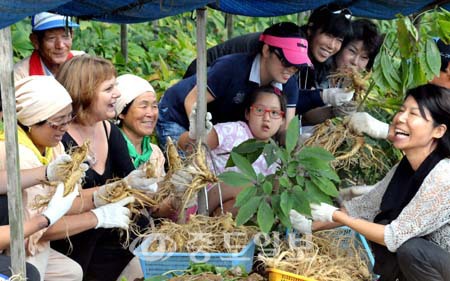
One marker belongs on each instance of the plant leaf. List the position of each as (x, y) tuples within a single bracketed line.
[(301, 202), (267, 187), (329, 174), (265, 217), (325, 185), (292, 168), (286, 202), (250, 149), (248, 210), (315, 194), (433, 57), (245, 195), (315, 152), (292, 134), (235, 179), (270, 153), (244, 165), (284, 181)]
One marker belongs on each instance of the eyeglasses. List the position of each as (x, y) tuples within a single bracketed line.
[(260, 110), (283, 60), (345, 12), (59, 126)]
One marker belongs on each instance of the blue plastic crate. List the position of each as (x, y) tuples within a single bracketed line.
[(157, 263)]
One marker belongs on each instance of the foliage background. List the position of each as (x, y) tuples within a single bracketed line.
[(161, 50)]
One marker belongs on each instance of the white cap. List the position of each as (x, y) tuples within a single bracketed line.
[(44, 21), (130, 87), (39, 98)]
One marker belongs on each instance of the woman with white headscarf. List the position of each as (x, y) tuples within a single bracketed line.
[(44, 111), (137, 114)]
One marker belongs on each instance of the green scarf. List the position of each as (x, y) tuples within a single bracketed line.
[(139, 159)]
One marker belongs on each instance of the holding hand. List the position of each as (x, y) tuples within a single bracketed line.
[(180, 180), (363, 122), (354, 191), (336, 96), (323, 212), (300, 222), (55, 170), (193, 122), (138, 179), (114, 214), (345, 109), (59, 205)]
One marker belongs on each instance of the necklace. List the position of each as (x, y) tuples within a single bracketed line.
[(92, 159)]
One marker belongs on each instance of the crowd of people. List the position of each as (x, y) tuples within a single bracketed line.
[(65, 98)]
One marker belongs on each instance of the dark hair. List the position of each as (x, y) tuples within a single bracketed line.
[(282, 29), (437, 100), (253, 96), (366, 31), (118, 120), (444, 50), (330, 19)]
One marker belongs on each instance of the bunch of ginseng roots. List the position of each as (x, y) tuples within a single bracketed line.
[(201, 234), (70, 172), (328, 255), (334, 135), (194, 165)]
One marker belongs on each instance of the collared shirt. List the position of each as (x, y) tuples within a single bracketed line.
[(255, 73), (230, 79)]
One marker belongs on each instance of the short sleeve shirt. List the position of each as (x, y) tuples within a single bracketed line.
[(228, 82), (232, 134)]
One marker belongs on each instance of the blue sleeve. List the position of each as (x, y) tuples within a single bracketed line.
[(220, 75), (308, 99), (290, 89)]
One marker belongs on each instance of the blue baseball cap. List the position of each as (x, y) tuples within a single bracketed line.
[(44, 21)]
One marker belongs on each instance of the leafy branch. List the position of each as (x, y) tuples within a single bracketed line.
[(303, 176)]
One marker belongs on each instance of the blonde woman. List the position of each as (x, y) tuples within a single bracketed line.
[(91, 82)]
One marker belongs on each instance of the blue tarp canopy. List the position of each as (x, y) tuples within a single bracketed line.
[(134, 11)]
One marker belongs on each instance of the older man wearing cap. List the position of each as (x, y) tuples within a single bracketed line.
[(51, 36), (281, 52)]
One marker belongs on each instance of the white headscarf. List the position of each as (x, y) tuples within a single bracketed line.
[(39, 98), (130, 87)]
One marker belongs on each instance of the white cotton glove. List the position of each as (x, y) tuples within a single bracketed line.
[(345, 109), (55, 171), (114, 214), (354, 191), (180, 180), (102, 192), (137, 179), (300, 222), (322, 212), (193, 122), (336, 96), (363, 122), (59, 205)]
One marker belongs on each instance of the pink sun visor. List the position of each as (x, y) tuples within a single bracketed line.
[(295, 50)]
